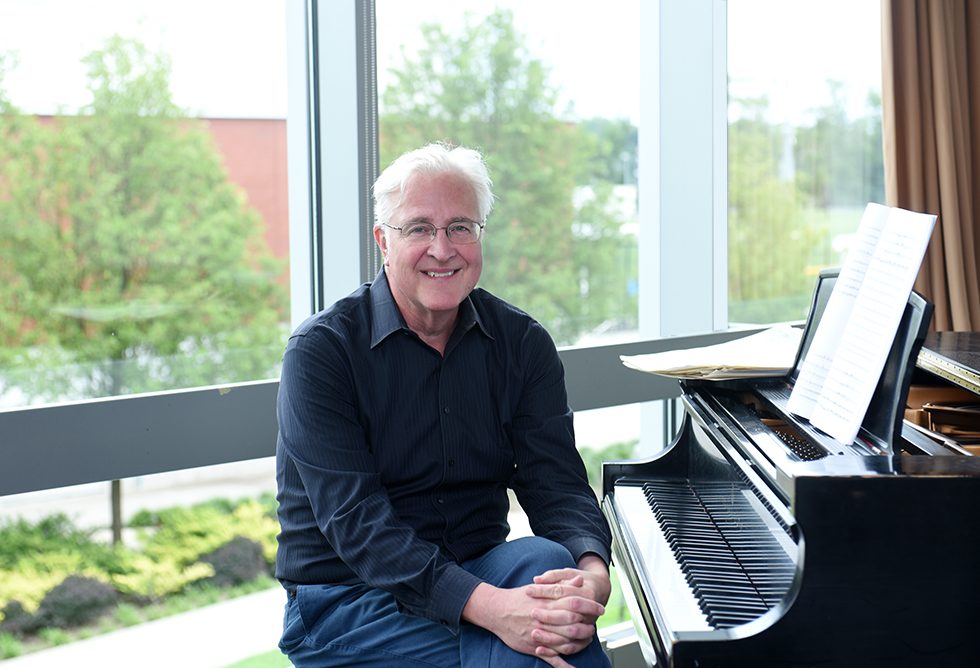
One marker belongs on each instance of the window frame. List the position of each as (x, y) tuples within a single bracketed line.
[(683, 268)]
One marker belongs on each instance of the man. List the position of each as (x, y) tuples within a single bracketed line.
[(406, 410)]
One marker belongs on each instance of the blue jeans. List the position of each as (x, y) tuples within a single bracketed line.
[(356, 625)]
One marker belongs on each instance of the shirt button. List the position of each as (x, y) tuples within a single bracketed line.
[(452, 462), (446, 410), (440, 500)]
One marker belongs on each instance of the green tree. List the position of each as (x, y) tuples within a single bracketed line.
[(129, 261), (615, 155), (839, 160), (480, 87), (770, 243)]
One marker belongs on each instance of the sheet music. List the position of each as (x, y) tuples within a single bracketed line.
[(857, 329), (766, 353)]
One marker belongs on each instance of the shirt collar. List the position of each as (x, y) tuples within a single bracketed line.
[(387, 319)]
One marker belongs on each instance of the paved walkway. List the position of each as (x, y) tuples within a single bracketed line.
[(211, 637)]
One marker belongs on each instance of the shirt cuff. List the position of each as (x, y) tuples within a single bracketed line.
[(579, 546), (449, 597)]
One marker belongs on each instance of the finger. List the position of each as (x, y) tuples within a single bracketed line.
[(567, 648), (555, 591), (556, 575), (553, 636), (581, 605), (584, 606), (551, 658), (549, 591), (558, 617)]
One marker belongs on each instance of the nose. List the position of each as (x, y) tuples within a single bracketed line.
[(441, 247)]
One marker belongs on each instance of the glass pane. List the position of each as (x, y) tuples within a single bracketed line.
[(558, 132), (804, 145), (142, 196)]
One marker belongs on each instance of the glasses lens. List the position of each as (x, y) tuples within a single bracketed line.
[(460, 232), (419, 232), (464, 232)]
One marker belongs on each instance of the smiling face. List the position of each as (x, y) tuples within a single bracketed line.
[(430, 280)]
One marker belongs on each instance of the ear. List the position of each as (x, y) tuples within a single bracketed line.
[(381, 239)]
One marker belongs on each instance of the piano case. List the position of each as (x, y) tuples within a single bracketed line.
[(753, 539)]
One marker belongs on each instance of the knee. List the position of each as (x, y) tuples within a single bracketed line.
[(546, 553), (534, 555)]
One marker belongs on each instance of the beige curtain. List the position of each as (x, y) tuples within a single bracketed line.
[(931, 113)]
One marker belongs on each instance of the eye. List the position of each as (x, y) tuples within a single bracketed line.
[(461, 229), (418, 230)]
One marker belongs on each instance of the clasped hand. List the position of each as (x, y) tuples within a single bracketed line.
[(569, 600), (552, 617)]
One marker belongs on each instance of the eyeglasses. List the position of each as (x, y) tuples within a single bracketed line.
[(458, 232)]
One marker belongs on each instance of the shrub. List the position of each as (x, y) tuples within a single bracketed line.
[(237, 561), (15, 620), (21, 542), (38, 561), (78, 600), (150, 580), (185, 534)]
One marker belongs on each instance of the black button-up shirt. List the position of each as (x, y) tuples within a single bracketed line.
[(393, 462)]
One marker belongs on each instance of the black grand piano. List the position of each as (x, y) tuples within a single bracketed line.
[(754, 539)]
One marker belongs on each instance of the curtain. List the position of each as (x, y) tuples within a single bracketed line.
[(931, 114)]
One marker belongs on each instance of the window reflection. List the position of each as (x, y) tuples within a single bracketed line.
[(804, 146), (559, 133), (142, 197)]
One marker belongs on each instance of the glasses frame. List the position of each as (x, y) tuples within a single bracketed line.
[(432, 237)]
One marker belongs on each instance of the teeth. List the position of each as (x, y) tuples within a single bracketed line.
[(439, 274)]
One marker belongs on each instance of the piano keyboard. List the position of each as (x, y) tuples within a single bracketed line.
[(737, 561)]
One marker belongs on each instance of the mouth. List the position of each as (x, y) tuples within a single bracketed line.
[(440, 274)]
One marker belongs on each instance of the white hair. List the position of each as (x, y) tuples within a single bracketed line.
[(435, 158)]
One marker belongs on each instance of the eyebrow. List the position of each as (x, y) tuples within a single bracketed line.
[(457, 219)]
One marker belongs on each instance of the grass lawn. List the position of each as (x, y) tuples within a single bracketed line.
[(273, 659)]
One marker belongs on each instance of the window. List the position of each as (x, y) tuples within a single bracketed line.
[(143, 197), (804, 146), (558, 123)]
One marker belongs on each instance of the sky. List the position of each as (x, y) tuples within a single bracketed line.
[(229, 55)]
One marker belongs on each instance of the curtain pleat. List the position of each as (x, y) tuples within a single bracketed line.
[(931, 79)]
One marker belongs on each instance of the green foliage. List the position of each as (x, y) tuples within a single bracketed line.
[(152, 580), (840, 160), (128, 261), (273, 659), (128, 614), (184, 534), (616, 609), (614, 156), (55, 636), (593, 458), (479, 87), (10, 646), (39, 559), (21, 540), (769, 247), (788, 190)]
